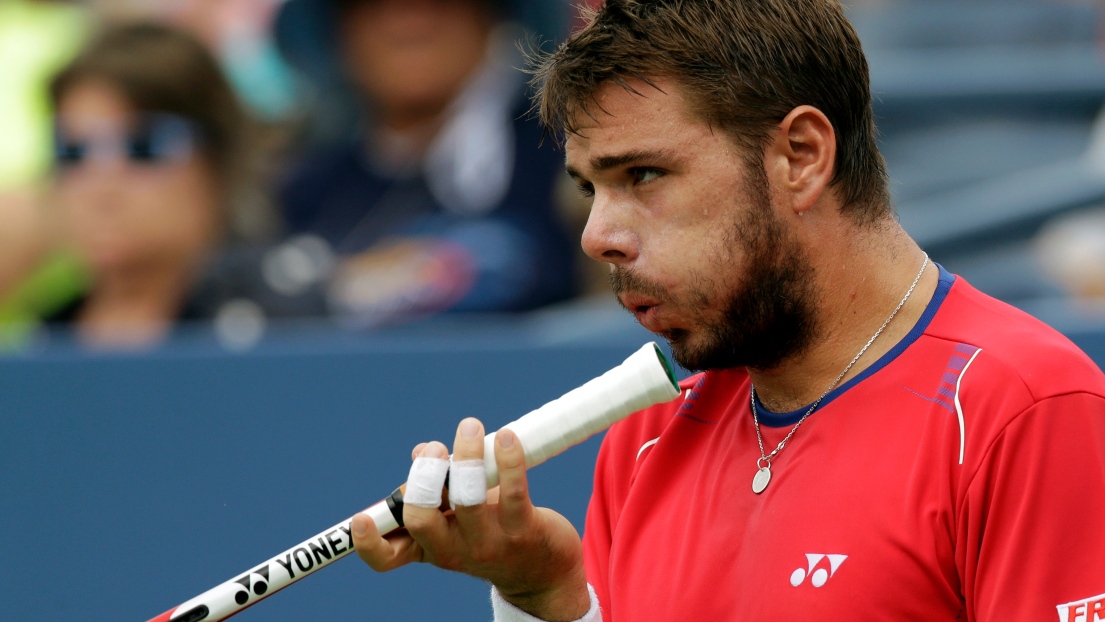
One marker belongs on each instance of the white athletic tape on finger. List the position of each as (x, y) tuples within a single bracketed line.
[(424, 484), (506, 612), (467, 483)]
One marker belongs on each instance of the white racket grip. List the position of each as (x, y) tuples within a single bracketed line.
[(644, 379)]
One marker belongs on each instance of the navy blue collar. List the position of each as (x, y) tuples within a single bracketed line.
[(778, 420)]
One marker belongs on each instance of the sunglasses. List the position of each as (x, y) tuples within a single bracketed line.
[(155, 139)]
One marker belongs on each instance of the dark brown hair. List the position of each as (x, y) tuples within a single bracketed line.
[(743, 64), (158, 68)]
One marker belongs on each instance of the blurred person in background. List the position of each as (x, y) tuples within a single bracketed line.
[(1070, 248), (151, 164), (36, 38), (238, 33), (441, 199)]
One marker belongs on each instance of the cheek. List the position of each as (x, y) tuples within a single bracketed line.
[(708, 273), (143, 213), (186, 213), (694, 256)]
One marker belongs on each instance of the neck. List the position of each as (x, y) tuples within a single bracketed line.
[(859, 289), (398, 144), (135, 307)]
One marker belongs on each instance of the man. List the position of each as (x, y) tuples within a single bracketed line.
[(443, 199), (872, 438)]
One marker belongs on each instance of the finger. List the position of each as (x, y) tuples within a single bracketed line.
[(427, 477), (382, 554), (417, 451), (467, 465), (515, 508), (468, 483), (421, 516)]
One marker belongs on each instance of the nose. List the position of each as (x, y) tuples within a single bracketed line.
[(96, 184), (609, 236)]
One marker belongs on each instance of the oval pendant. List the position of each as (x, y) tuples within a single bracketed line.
[(761, 480)]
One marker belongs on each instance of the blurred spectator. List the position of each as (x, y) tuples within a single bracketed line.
[(1071, 248), (36, 38), (442, 200), (152, 178), (238, 32)]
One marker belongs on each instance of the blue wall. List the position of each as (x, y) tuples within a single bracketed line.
[(129, 484)]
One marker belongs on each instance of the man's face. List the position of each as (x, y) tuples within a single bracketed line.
[(697, 251), (414, 55)]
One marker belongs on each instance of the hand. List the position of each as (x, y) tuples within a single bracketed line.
[(533, 556)]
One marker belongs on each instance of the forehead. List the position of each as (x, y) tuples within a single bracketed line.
[(643, 118), (96, 102)]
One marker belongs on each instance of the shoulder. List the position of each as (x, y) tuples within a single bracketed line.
[(320, 168), (1011, 350), (705, 398), (629, 436), (331, 179), (1007, 370), (326, 160)]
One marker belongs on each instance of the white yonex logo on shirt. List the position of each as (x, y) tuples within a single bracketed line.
[(1085, 610), (821, 568)]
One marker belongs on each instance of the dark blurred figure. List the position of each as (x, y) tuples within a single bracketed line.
[(442, 198), (151, 182)]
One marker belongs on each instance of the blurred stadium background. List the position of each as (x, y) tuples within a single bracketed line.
[(133, 479)]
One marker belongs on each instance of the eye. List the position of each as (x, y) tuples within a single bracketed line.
[(143, 148), (644, 174), (586, 190), (69, 152)]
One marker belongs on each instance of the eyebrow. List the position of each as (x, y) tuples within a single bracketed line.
[(607, 162)]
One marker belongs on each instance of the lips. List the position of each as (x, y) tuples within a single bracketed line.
[(645, 309), (637, 302)]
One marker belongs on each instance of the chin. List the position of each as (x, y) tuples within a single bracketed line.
[(690, 353), (107, 259)]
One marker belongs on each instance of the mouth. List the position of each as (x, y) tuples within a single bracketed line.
[(646, 310)]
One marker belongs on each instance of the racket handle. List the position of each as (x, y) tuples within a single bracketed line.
[(642, 380)]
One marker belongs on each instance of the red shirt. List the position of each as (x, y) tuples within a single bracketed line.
[(891, 502)]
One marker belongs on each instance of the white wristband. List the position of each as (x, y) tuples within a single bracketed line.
[(425, 482), (467, 483), (506, 612)]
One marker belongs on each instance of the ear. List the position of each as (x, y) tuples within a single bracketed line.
[(801, 156)]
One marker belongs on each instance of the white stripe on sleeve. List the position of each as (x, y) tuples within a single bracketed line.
[(959, 407)]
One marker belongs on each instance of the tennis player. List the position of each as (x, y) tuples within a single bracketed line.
[(871, 438)]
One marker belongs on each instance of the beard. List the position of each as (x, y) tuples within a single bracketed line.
[(766, 317)]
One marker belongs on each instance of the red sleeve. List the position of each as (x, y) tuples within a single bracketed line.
[(615, 470), (598, 530), (1031, 525)]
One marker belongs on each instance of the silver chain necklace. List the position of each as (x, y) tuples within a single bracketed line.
[(763, 463)]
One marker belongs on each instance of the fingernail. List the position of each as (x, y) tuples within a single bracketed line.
[(436, 450), (506, 439), (360, 525), (469, 428)]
